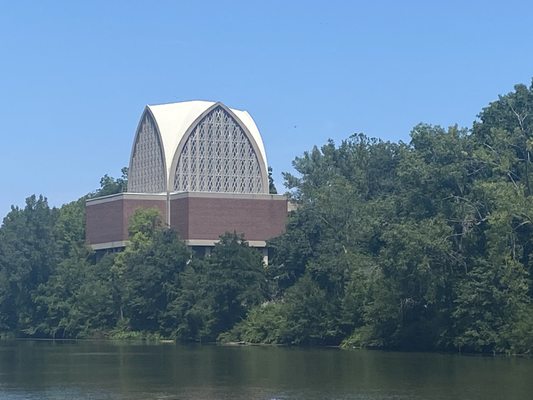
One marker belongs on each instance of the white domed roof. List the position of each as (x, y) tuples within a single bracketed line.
[(174, 120)]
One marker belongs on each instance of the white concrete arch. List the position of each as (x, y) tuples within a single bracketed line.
[(257, 146), (173, 123), (147, 167)]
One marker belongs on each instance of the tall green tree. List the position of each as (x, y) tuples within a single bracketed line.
[(28, 254), (235, 282), (148, 273), (78, 299), (505, 136), (221, 289), (110, 185)]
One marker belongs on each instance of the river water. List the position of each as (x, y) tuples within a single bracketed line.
[(108, 370)]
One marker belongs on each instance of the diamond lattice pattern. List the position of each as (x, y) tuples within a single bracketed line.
[(218, 157), (147, 172)]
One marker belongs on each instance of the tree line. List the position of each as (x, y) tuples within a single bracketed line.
[(426, 245)]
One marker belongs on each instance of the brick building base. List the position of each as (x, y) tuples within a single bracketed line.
[(199, 218)]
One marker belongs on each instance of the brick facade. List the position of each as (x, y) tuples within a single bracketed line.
[(107, 219), (206, 218), (195, 216)]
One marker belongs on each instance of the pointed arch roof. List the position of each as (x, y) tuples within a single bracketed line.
[(174, 119)]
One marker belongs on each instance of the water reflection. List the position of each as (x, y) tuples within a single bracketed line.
[(105, 370)]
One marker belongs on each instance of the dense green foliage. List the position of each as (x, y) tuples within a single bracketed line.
[(110, 185), (421, 245)]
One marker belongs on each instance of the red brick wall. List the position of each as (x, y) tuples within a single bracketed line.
[(179, 216), (108, 221), (132, 205), (209, 217), (194, 217), (104, 222)]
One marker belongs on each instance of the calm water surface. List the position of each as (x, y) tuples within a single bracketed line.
[(106, 370)]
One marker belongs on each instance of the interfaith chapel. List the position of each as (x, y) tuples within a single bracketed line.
[(203, 166)]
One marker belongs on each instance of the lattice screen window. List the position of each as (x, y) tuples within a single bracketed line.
[(147, 173), (218, 157)]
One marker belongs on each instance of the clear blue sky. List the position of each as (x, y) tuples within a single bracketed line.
[(75, 76)]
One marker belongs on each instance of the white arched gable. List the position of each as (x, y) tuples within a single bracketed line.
[(147, 169), (161, 136), (218, 153)]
